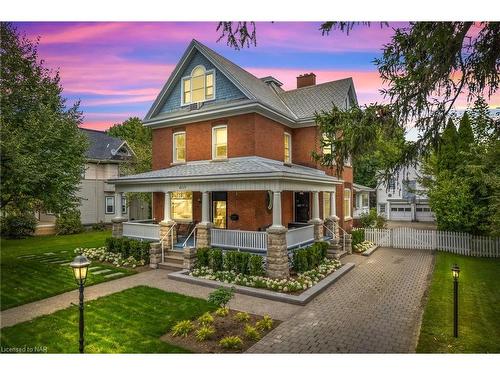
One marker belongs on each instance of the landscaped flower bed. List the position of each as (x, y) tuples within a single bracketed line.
[(363, 246), (223, 331), (298, 283), (102, 254)]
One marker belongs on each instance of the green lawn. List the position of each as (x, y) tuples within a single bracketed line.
[(479, 307), (131, 321), (25, 280)]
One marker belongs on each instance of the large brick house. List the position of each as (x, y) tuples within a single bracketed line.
[(233, 152)]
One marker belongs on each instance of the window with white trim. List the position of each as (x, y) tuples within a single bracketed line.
[(181, 205), (219, 142), (110, 204), (124, 204), (288, 148), (179, 143), (199, 86), (326, 204), (347, 203), (328, 147)]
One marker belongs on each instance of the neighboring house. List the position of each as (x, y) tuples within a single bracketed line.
[(361, 200), (234, 151), (402, 198), (97, 197)]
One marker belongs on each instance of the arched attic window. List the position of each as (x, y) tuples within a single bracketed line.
[(199, 86)]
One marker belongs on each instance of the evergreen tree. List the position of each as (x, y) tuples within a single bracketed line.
[(465, 134), (447, 154)]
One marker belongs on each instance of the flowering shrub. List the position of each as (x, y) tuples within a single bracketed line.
[(102, 254), (363, 246), (303, 280)]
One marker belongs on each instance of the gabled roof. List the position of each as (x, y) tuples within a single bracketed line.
[(358, 187), (295, 106), (240, 167), (105, 147)]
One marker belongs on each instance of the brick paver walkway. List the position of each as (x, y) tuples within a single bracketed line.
[(376, 307)]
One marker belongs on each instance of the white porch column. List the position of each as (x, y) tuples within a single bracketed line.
[(204, 228), (118, 204), (167, 206), (117, 229), (205, 207), (332, 204), (315, 206), (277, 209)]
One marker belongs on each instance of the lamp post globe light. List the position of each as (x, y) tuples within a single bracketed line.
[(80, 267), (455, 271)]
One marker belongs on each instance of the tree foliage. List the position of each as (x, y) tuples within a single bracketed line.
[(426, 67), (463, 177), (42, 150)]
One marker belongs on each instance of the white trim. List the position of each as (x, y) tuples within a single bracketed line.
[(348, 217), (189, 77), (106, 205), (287, 134), (214, 128), (174, 148)]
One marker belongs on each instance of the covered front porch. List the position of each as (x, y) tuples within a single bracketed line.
[(264, 212)]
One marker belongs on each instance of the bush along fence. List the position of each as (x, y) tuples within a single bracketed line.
[(453, 242)]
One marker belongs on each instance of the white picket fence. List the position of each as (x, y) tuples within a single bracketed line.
[(453, 242)]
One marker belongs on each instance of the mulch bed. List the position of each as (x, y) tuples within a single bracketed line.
[(224, 326)]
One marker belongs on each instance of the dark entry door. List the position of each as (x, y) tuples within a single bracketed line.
[(302, 207)]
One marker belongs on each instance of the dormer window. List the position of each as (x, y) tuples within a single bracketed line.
[(199, 86)]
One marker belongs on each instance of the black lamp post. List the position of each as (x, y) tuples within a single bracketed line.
[(80, 266), (455, 270)]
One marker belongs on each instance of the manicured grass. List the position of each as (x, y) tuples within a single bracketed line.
[(25, 280), (131, 321), (479, 302)]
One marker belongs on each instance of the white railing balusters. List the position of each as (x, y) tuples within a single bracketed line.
[(239, 239)]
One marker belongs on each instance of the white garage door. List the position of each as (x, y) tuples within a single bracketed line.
[(400, 212), (424, 213)]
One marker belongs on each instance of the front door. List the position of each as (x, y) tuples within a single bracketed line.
[(302, 207), (219, 209)]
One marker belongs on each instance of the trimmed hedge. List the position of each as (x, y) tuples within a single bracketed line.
[(129, 247), (358, 236), (310, 257), (69, 222), (236, 261)]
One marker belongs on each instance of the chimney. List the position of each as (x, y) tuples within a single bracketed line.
[(308, 79)]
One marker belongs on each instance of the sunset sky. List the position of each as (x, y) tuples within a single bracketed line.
[(117, 69)]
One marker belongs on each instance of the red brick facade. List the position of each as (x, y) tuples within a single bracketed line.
[(248, 135)]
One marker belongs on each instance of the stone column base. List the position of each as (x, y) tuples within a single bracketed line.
[(117, 229), (164, 229), (348, 243), (318, 229), (154, 254), (277, 254), (189, 254), (203, 235)]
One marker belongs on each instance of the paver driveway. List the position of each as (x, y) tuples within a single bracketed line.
[(376, 307)]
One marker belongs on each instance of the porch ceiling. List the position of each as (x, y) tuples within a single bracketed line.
[(244, 173)]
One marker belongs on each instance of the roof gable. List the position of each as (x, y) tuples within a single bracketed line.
[(105, 147)]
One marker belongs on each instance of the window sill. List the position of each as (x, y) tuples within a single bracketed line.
[(287, 164), (220, 160), (348, 218), (177, 163)]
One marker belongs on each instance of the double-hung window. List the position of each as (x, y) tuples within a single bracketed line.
[(288, 148), (110, 204), (219, 142), (179, 143), (199, 86), (326, 204), (124, 204), (347, 203)]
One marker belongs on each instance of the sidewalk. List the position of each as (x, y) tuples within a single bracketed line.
[(154, 278)]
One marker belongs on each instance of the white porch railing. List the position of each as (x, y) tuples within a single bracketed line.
[(141, 230), (239, 239), (299, 236)]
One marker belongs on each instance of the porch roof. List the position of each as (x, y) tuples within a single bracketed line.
[(252, 168), (358, 187)]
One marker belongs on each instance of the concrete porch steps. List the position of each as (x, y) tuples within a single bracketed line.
[(173, 261)]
